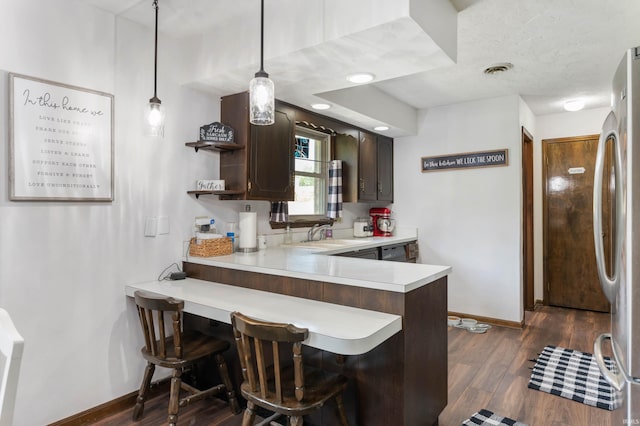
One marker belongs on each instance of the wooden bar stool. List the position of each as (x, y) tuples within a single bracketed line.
[(179, 352), (279, 383)]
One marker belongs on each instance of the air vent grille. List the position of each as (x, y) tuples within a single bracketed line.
[(498, 68)]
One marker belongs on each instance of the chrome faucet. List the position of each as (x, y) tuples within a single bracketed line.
[(317, 228)]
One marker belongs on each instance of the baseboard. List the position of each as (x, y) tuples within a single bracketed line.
[(492, 321), (112, 407)]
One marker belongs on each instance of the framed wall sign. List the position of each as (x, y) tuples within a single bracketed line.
[(216, 132), (61, 142), (467, 160)]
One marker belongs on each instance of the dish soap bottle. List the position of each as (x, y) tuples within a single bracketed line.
[(288, 235)]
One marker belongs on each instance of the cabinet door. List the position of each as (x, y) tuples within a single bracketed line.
[(346, 149), (385, 169), (367, 168), (271, 162)]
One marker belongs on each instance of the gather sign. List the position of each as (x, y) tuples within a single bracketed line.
[(466, 160)]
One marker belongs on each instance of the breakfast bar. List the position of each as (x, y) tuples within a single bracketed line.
[(400, 376), (335, 328)]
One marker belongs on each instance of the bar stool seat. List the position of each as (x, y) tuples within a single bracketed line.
[(179, 351), (275, 381)]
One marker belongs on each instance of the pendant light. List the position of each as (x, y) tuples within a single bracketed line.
[(261, 91), (155, 114)]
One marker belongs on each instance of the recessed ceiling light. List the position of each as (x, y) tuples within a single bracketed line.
[(574, 105), (320, 106), (361, 77), (381, 128)]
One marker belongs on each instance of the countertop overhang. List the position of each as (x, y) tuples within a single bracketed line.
[(336, 328)]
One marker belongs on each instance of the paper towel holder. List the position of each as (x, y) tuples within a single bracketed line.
[(253, 246)]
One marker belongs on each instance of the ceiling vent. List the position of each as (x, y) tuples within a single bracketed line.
[(498, 68)]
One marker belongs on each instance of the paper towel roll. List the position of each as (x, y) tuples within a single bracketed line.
[(248, 231)]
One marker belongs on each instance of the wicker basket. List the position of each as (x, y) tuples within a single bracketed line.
[(212, 247)]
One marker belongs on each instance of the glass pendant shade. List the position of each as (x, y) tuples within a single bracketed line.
[(261, 100), (154, 118)]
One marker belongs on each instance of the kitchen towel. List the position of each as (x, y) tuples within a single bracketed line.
[(279, 212), (486, 417), (334, 201), (574, 375)]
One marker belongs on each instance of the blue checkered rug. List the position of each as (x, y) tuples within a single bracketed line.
[(488, 418), (573, 375)]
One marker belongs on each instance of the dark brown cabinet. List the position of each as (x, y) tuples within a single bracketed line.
[(385, 168), (367, 173), (368, 167), (264, 170)]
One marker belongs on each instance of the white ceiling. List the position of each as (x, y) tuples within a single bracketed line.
[(560, 49)]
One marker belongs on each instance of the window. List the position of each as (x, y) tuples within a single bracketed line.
[(311, 160)]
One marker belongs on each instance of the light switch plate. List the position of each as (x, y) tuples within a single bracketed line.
[(163, 225), (151, 227)]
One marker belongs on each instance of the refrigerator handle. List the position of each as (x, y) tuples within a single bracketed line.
[(617, 379), (609, 283)]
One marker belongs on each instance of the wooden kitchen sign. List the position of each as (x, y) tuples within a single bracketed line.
[(216, 132), (466, 160)]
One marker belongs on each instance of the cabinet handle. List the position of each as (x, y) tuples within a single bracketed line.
[(362, 184), (380, 187), (248, 186)]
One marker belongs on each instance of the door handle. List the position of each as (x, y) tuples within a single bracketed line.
[(609, 283), (616, 379)]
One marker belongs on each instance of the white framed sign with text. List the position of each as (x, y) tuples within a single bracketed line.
[(61, 142)]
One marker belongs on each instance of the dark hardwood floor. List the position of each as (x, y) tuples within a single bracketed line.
[(488, 370), (492, 370)]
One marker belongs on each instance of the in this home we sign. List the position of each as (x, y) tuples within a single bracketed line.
[(466, 160)]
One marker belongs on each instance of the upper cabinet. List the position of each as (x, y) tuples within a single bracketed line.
[(367, 166), (260, 165), (385, 168), (265, 168)]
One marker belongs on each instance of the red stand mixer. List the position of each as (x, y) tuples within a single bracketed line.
[(382, 223)]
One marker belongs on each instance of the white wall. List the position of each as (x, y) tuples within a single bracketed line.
[(468, 219), (63, 266), (552, 126)]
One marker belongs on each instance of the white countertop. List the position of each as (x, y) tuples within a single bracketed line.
[(335, 328), (315, 264)]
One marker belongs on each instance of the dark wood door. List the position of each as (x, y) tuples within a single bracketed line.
[(271, 163), (368, 167), (527, 221), (385, 169), (571, 278)]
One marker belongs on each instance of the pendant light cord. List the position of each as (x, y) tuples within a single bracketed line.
[(262, 35), (262, 72), (155, 55)]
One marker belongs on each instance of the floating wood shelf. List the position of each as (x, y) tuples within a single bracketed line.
[(226, 192), (214, 146)]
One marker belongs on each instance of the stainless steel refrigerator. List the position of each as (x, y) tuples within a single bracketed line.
[(620, 279)]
